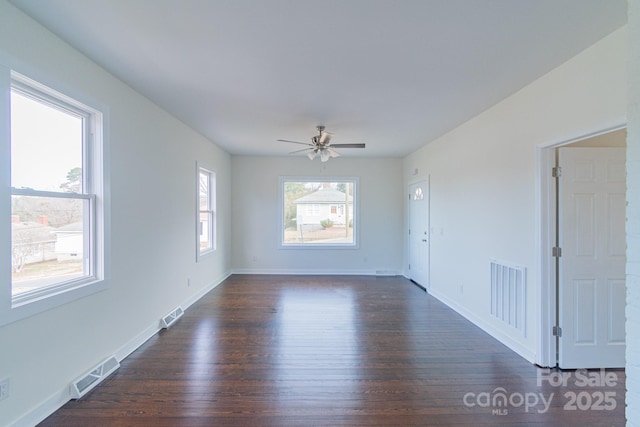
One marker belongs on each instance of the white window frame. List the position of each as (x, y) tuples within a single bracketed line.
[(320, 179), (210, 211), (95, 160)]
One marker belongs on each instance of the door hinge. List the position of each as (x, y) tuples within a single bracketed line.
[(556, 252), (557, 331), (556, 172)]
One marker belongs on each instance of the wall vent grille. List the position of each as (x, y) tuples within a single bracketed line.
[(509, 294), (172, 317), (85, 383)]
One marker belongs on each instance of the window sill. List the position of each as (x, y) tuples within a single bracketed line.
[(35, 303)]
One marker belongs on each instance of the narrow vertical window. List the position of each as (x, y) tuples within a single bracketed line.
[(206, 211)]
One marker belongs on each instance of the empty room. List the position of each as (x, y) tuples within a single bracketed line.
[(305, 213)]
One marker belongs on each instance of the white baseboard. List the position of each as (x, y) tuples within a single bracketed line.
[(58, 400), (505, 339), (44, 409), (196, 297), (316, 272), (154, 328)]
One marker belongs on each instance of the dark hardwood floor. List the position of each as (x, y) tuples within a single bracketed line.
[(334, 351)]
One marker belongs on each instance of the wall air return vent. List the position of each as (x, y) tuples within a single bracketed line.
[(85, 383), (509, 294), (172, 317)]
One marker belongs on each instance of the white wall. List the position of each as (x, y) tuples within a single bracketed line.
[(633, 219), (152, 177), (484, 177), (255, 212)]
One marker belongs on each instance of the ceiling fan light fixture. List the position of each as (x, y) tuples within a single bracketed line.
[(321, 146)]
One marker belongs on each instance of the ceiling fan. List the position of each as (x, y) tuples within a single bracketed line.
[(321, 145)]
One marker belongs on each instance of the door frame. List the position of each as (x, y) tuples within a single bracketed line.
[(427, 180), (546, 355)]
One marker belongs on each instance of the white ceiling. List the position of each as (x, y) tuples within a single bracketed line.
[(393, 74)]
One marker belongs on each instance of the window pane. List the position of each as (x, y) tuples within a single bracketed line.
[(204, 191), (205, 232), (206, 211), (46, 146), (318, 213), (47, 241)]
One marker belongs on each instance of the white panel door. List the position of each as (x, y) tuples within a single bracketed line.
[(419, 233), (592, 263)]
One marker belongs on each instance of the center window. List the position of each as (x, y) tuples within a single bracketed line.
[(319, 212)]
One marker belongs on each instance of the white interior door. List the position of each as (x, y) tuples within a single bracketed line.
[(419, 233), (592, 288)]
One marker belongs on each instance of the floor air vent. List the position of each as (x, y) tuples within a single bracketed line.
[(508, 294), (88, 381), (172, 317)]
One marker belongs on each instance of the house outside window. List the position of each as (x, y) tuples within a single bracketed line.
[(319, 212)]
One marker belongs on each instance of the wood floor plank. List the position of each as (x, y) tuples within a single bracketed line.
[(331, 351)]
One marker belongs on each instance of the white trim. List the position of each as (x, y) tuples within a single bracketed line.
[(40, 412), (487, 327), (317, 272), (52, 194), (198, 295), (545, 232), (5, 197), (62, 396), (592, 134), (417, 179), (146, 334)]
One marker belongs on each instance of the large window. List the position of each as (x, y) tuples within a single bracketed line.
[(319, 212), (205, 235), (55, 193)]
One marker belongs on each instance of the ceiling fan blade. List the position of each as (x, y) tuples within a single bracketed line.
[(295, 142), (348, 145), (333, 153), (325, 137), (300, 151)]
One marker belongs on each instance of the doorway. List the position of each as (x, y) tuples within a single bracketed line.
[(419, 236), (582, 266)]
